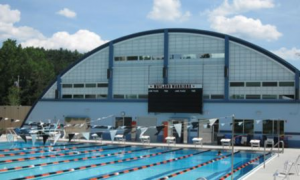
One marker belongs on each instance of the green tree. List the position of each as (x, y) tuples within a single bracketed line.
[(36, 67), (14, 96)]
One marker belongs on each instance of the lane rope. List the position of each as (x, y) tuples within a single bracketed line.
[(71, 160), (46, 151), (37, 147), (197, 166), (242, 166), (94, 165), (58, 155), (144, 166)]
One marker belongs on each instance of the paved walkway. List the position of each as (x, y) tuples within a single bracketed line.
[(259, 174)]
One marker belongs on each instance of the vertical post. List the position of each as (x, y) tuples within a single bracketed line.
[(278, 136), (110, 70), (232, 145), (166, 56), (226, 69)]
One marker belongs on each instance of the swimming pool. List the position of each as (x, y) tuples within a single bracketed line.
[(93, 161)]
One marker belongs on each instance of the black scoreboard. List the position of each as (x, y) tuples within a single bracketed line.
[(175, 98)]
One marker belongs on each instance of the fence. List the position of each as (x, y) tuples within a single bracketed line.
[(12, 113)]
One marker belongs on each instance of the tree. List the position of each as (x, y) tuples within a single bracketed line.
[(14, 96), (36, 67)]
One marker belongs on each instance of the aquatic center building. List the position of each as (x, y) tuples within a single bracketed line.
[(170, 76)]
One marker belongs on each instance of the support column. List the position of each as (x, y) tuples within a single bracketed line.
[(226, 69), (110, 70), (166, 56)]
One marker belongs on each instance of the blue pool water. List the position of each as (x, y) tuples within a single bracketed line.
[(118, 162)]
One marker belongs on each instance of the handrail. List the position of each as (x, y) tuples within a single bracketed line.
[(271, 150)]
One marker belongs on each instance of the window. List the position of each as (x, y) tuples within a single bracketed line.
[(248, 126), (217, 55), (206, 55), (90, 85), (268, 127), (269, 84), (237, 96), (67, 86), (131, 96), (120, 58), (238, 126), (252, 96), (237, 84), (90, 96), (143, 96), (145, 57), (78, 85), (287, 97), (101, 96), (189, 56), (67, 96), (158, 57), (119, 96), (78, 96), (252, 84), (102, 85), (286, 84), (268, 96), (273, 127), (217, 96), (205, 96), (175, 56), (244, 126), (132, 58)]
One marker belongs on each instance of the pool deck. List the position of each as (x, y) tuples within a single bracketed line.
[(275, 163)]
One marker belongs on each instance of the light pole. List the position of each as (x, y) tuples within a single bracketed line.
[(232, 145), (123, 115)]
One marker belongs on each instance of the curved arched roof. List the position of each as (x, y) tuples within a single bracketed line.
[(195, 31)]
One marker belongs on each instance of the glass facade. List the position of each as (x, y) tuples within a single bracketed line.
[(192, 59)]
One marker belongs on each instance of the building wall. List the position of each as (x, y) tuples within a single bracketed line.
[(255, 111), (237, 78)]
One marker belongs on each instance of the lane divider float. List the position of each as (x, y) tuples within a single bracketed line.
[(95, 165), (46, 151), (145, 166), (58, 155), (71, 160), (38, 147), (197, 166), (243, 166)]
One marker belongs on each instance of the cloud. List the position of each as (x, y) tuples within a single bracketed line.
[(82, 40), (67, 13), (227, 18), (7, 28), (245, 27), (241, 6), (168, 10), (288, 54)]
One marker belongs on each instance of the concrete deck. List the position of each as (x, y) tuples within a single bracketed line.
[(260, 173)]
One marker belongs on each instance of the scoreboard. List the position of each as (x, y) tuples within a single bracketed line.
[(175, 98)]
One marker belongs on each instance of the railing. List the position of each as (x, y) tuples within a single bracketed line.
[(10, 134), (271, 150)]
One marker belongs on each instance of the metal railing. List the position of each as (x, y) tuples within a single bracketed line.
[(271, 150)]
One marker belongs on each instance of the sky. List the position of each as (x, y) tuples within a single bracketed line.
[(85, 25)]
